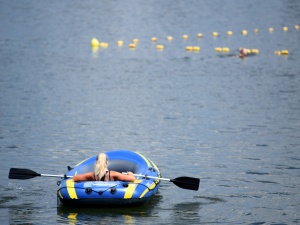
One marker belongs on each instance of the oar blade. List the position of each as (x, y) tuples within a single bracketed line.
[(190, 183), (22, 174)]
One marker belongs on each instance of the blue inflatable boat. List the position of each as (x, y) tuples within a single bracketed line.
[(117, 193)]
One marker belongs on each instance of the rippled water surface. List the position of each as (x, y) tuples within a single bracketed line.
[(234, 123)]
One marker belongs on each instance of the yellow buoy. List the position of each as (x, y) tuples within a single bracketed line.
[(229, 33), (218, 49), (185, 36), (256, 30), (225, 49), (215, 34), (120, 43), (103, 44), (189, 48), (255, 51), (132, 45), (284, 52), (196, 48), (271, 29), (296, 27), (285, 29), (160, 47), (199, 35), (169, 38), (154, 39), (94, 42), (277, 52), (244, 32), (135, 40), (248, 50)]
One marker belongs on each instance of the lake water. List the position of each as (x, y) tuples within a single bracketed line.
[(234, 123)]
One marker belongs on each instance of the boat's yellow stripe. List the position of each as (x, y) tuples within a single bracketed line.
[(71, 189), (60, 195), (152, 186), (82, 162), (146, 160), (131, 188), (146, 190), (155, 167)]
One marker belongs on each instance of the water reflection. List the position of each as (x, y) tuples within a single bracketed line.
[(210, 200), (188, 212), (95, 50), (22, 214), (105, 215)]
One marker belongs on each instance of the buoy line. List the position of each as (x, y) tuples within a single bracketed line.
[(95, 43)]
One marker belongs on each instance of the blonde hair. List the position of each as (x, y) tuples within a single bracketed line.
[(101, 165)]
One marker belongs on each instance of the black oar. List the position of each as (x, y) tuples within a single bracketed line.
[(190, 183), (23, 174)]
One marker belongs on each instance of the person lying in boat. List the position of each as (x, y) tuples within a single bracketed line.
[(101, 172)]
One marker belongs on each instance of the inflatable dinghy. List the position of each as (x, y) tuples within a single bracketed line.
[(111, 192)]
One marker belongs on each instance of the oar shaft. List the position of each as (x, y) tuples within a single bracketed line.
[(24, 174), (146, 176), (52, 175), (189, 183)]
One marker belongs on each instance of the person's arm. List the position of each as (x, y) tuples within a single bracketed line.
[(122, 177), (84, 177)]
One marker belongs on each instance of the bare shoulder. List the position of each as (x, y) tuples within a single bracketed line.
[(84, 177), (114, 175)]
